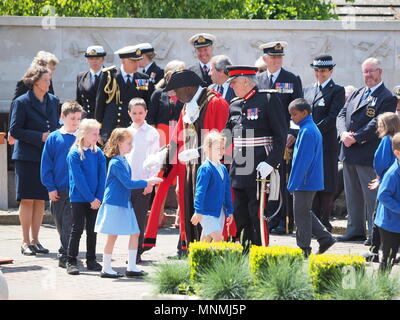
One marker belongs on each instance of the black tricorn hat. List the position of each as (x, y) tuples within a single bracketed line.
[(183, 78), (323, 61)]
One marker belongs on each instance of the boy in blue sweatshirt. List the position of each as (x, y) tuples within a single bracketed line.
[(306, 178), (388, 213), (54, 172)]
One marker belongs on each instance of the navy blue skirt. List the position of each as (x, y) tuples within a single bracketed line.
[(27, 181)]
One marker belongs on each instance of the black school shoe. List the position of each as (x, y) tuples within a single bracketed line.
[(324, 246), (93, 265), (133, 274), (111, 276), (40, 249), (72, 269)]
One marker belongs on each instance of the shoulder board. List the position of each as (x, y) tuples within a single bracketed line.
[(109, 68), (235, 99), (268, 91)]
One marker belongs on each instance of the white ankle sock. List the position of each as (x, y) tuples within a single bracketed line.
[(132, 254), (107, 264)]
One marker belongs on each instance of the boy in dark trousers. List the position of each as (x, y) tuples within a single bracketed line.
[(306, 178)]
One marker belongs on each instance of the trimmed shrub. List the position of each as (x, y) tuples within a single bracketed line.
[(262, 257), (285, 279), (202, 254), (226, 278), (171, 277), (331, 270)]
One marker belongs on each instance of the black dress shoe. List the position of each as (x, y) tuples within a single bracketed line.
[(40, 249), (350, 238), (326, 245), (93, 265), (28, 250), (72, 269), (368, 242), (132, 274), (278, 230), (111, 276)]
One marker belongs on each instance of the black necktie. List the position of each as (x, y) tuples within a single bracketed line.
[(96, 82), (271, 82), (220, 89), (128, 80), (366, 94)]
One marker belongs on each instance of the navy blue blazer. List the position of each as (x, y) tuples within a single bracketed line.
[(361, 118), (230, 94), (29, 122)]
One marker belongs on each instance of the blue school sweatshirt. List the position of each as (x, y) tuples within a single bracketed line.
[(54, 166), (119, 183), (307, 172), (212, 192), (86, 177), (388, 211), (384, 157)]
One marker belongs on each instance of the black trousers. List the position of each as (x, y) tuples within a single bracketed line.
[(140, 203), (81, 213), (246, 208), (323, 205), (390, 246)]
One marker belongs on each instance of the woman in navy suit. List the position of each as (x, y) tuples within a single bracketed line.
[(34, 115)]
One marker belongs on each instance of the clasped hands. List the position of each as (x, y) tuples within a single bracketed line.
[(347, 138)]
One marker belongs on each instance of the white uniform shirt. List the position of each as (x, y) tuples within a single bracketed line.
[(146, 141)]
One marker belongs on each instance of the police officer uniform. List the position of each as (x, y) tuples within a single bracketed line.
[(116, 89), (198, 41), (152, 70), (326, 100), (259, 135), (87, 83), (289, 88)]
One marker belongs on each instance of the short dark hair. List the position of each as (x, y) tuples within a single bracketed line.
[(71, 106), (300, 104), (396, 142)]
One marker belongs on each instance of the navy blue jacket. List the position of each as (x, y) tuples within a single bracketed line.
[(29, 122), (361, 118)]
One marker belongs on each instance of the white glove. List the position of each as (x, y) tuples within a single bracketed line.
[(264, 169), (154, 180), (155, 160), (189, 154)]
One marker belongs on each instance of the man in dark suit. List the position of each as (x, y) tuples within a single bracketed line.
[(326, 99), (117, 87), (149, 66), (219, 77), (203, 46), (356, 125), (87, 82), (289, 88)]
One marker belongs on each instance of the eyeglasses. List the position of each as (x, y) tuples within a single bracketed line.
[(370, 71)]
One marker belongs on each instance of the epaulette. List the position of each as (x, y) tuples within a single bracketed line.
[(234, 99), (109, 68), (268, 91)]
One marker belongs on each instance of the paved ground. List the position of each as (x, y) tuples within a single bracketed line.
[(39, 277)]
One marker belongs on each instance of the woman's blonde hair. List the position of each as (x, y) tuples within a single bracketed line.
[(85, 126), (117, 136), (33, 74), (170, 68), (390, 123), (212, 137)]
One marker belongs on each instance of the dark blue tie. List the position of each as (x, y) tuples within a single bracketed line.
[(366, 94), (128, 80)]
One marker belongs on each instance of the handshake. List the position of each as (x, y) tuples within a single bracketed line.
[(156, 160)]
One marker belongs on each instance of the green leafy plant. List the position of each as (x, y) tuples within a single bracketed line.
[(227, 277), (285, 279), (171, 277)]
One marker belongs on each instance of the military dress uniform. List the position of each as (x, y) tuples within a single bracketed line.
[(152, 70), (114, 94), (87, 83), (198, 41), (289, 88), (259, 135)]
